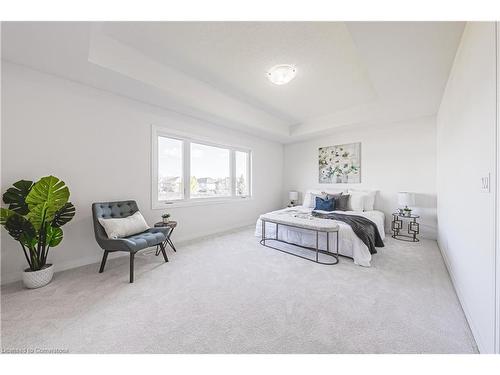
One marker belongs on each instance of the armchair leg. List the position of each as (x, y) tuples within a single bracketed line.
[(103, 262), (162, 247), (132, 267)]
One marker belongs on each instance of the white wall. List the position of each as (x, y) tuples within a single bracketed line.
[(394, 157), (99, 144), (466, 152)]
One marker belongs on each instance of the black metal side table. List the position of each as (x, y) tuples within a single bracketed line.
[(397, 227), (168, 240)]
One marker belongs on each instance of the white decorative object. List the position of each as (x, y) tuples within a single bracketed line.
[(293, 196), (282, 74), (37, 279), (340, 164), (406, 199), (126, 226)]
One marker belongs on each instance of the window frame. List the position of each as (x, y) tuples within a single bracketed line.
[(187, 139)]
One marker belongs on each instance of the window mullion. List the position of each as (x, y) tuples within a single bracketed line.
[(232, 172), (154, 169), (187, 169), (249, 174)]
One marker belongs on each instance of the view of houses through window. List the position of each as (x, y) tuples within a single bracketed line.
[(242, 173), (210, 171), (170, 169)]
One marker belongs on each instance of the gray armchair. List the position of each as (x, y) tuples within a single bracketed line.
[(132, 244)]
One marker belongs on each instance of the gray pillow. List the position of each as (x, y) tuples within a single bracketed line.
[(334, 196), (341, 201)]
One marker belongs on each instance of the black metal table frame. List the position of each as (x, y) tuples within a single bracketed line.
[(167, 241), (316, 249), (413, 228)]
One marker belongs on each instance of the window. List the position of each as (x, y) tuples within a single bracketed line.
[(241, 176), (210, 171), (170, 174), (188, 170)]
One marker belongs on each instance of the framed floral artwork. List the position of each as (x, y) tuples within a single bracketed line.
[(340, 164)]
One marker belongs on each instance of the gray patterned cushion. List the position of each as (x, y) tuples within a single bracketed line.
[(342, 202)]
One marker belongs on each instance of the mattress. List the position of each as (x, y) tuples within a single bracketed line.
[(349, 244)]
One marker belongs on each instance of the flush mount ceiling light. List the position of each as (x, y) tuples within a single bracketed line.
[(281, 74)]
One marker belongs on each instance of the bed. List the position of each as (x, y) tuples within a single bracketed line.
[(349, 244)]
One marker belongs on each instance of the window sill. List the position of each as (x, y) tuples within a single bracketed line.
[(198, 202)]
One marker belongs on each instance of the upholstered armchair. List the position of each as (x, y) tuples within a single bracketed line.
[(132, 244)]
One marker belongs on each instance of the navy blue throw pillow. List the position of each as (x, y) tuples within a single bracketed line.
[(325, 204)]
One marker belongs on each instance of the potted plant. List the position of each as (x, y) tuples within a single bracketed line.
[(165, 218), (34, 217)]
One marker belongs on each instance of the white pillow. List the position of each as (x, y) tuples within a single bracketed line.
[(369, 199), (125, 226), (357, 200), (309, 198)]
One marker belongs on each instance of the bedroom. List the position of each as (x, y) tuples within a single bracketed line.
[(140, 183)]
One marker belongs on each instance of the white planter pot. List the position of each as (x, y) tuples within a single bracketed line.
[(37, 279)]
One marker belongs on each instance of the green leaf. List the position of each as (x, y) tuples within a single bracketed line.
[(20, 229), (5, 214), (15, 196), (64, 215), (37, 216), (46, 197), (54, 236)]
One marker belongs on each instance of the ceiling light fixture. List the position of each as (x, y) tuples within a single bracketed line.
[(282, 74)]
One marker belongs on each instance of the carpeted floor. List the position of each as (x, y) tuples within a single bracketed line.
[(228, 294)]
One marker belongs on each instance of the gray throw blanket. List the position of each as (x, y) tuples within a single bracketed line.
[(364, 228)]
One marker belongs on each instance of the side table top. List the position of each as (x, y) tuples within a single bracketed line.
[(171, 224), (403, 215)]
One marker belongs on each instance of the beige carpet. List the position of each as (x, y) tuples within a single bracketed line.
[(228, 294)]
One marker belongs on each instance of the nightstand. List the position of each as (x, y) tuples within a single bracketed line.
[(172, 225), (397, 226)]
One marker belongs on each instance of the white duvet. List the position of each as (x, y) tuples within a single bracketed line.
[(349, 244)]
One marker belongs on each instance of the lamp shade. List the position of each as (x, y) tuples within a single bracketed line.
[(406, 199), (293, 195)]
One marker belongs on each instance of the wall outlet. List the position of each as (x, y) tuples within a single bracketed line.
[(485, 184)]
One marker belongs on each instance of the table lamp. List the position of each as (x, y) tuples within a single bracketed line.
[(293, 196), (406, 199)]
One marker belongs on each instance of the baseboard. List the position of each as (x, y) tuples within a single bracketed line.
[(185, 241), (461, 299), (17, 276)]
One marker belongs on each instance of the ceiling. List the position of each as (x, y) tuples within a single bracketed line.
[(349, 74)]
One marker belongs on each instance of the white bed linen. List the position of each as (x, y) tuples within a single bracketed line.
[(349, 244)]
